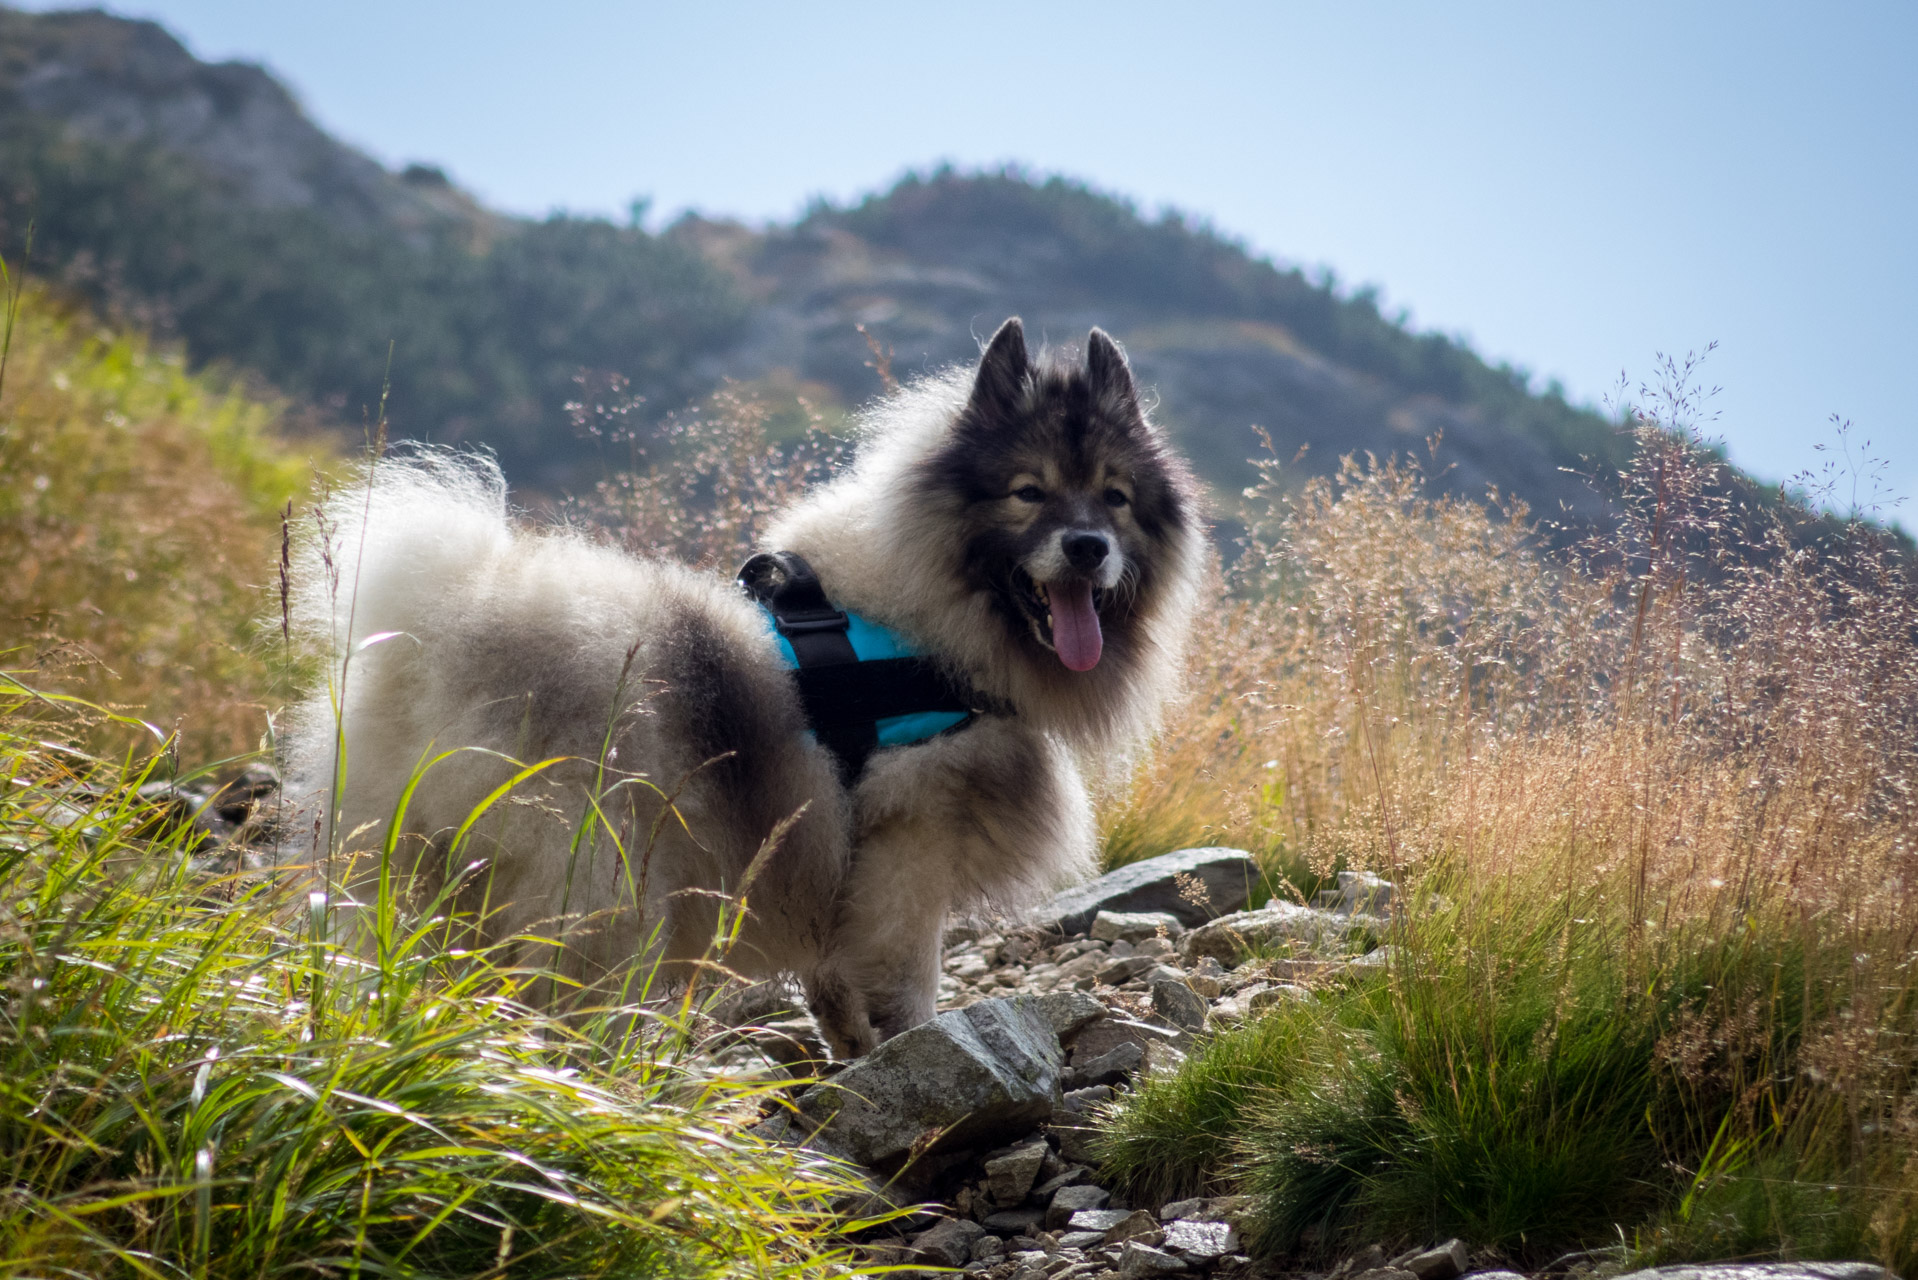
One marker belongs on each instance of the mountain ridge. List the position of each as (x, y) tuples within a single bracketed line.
[(200, 198)]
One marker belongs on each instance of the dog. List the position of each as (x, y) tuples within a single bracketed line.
[(1022, 526)]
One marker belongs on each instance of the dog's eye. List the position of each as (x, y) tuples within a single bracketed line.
[(1116, 498), (1030, 493)]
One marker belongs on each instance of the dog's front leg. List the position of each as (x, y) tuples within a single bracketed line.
[(890, 926)]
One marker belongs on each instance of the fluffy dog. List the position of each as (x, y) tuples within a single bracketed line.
[(1023, 525)]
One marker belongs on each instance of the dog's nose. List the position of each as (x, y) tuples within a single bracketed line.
[(1086, 551)]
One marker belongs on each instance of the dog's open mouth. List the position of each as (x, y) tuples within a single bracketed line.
[(1065, 617)]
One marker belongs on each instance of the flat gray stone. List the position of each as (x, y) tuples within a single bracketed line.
[(1081, 1239), (1179, 1004), (972, 1077), (1231, 938), (1200, 1241), (1138, 1260), (1067, 1201), (1135, 926), (1100, 1220), (1102, 1037), (1358, 892), (1765, 1271), (1226, 876)]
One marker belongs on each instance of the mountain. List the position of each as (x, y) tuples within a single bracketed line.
[(200, 200)]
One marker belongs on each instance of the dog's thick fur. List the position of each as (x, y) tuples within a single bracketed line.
[(979, 501)]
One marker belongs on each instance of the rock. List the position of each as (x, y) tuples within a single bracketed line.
[(1012, 1222), (1766, 1271), (966, 1078), (1070, 1200), (1081, 1239), (1446, 1262), (1068, 1013), (1124, 969), (1078, 1141), (987, 1246), (1136, 1225), (1101, 1037), (1200, 1241), (1009, 1177), (1115, 1066), (949, 1244), (1230, 939), (1079, 1101), (1100, 1220), (1135, 926), (1495, 1275), (1384, 1273), (1144, 1260), (1223, 877), (1359, 892), (1179, 1004)]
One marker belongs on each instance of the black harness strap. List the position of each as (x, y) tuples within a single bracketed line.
[(842, 696)]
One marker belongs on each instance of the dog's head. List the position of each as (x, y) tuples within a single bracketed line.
[(1073, 509)]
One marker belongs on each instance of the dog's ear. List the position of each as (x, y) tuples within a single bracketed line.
[(1109, 376), (999, 388)]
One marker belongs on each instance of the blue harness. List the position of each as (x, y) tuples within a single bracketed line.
[(862, 687)]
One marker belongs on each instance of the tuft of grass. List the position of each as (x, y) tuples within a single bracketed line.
[(1656, 800), (195, 1080), (139, 506)]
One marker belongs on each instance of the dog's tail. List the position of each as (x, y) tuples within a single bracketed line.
[(384, 552), (388, 556)]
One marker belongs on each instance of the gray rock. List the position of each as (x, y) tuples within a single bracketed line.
[(987, 1246), (1067, 1012), (1179, 1004), (1139, 1224), (1200, 1241), (1135, 926), (1358, 892), (1495, 1275), (1144, 1260), (1115, 1066), (1078, 1141), (1102, 1037), (949, 1244), (1011, 1222), (1070, 1200), (1226, 875), (1009, 1177), (1230, 939), (1766, 1271), (1100, 1220), (1385, 1273), (1079, 1101), (1081, 1239), (1124, 969), (1446, 1262), (967, 1078)]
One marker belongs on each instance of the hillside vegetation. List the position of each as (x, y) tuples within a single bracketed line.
[(198, 200), (139, 521)]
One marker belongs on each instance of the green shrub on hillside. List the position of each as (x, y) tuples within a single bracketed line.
[(487, 325)]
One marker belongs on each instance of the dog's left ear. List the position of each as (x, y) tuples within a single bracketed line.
[(1110, 376)]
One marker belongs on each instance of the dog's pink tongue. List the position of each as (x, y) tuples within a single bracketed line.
[(1075, 625)]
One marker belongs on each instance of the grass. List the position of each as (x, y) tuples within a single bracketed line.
[(1654, 797), (139, 516), (194, 1081)]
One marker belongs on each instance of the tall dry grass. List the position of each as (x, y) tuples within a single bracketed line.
[(139, 513), (1693, 730)]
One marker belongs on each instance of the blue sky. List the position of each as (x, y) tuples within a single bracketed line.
[(1571, 187)]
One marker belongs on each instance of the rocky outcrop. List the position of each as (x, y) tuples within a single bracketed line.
[(1190, 885)]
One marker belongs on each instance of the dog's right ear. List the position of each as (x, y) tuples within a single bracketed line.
[(999, 388)]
